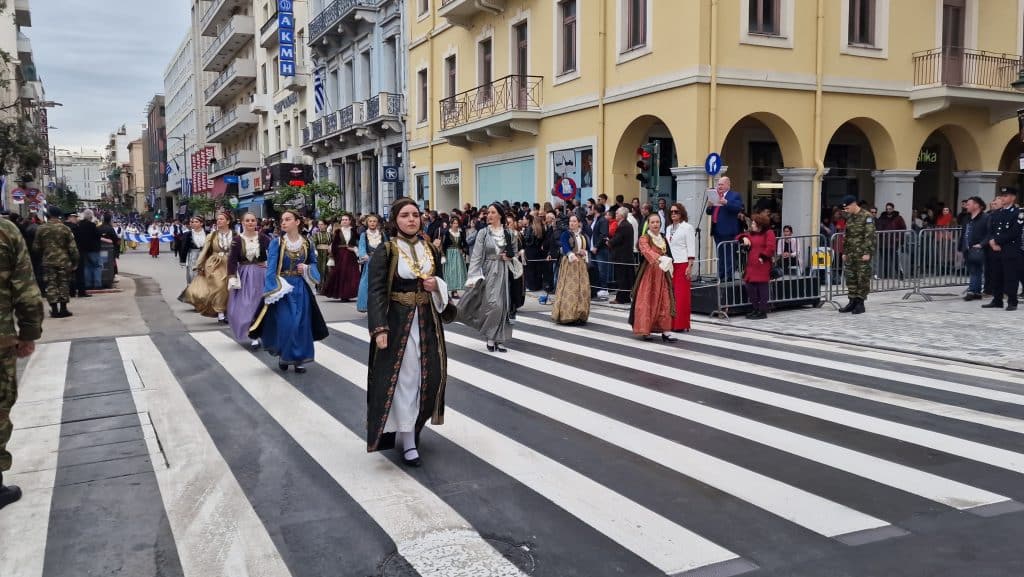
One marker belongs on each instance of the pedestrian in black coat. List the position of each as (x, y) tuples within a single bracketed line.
[(621, 244)]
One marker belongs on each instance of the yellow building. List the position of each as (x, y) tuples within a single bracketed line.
[(806, 100)]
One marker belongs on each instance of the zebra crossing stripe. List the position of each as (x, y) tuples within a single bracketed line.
[(418, 521), (37, 418), (967, 449), (223, 536), (791, 503), (669, 547), (935, 488), (877, 395), (918, 380)]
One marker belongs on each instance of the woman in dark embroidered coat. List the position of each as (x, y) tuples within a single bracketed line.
[(408, 300), (343, 281)]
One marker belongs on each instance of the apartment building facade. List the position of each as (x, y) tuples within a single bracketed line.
[(357, 137), (82, 171), (805, 101), (181, 116)]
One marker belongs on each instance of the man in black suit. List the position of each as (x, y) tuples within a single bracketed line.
[(621, 245)]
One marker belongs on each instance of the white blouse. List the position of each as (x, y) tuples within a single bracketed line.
[(252, 248), (682, 241)]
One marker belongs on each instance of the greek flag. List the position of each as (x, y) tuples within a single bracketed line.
[(319, 93), (144, 238), (167, 170)]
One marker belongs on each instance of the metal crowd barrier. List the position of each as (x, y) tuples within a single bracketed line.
[(906, 261)]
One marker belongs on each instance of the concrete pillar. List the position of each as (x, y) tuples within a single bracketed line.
[(895, 186), (350, 186), (366, 188), (798, 199), (691, 184), (975, 183)]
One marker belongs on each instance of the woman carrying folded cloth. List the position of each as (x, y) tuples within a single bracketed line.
[(290, 320), (408, 301), (653, 303)]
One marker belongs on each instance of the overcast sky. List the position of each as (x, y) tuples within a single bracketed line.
[(104, 60)]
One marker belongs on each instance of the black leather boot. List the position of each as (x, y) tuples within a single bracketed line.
[(9, 494), (849, 306), (64, 312), (859, 308), (54, 313)]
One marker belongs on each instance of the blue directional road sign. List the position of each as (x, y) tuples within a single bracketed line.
[(713, 164)]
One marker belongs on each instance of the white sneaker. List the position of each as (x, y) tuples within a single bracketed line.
[(602, 294)]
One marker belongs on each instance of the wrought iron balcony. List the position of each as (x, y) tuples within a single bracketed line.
[(238, 31), (462, 12), (351, 116), (337, 13), (944, 77), (384, 106), (493, 110)]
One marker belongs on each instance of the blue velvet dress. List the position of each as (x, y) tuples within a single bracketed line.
[(364, 252), (290, 319)]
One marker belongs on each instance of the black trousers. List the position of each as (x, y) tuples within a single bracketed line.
[(78, 280), (991, 262), (624, 276), (1006, 275)]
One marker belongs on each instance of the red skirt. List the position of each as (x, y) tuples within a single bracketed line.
[(681, 289), (154, 246)]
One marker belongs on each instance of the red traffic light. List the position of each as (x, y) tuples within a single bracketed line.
[(643, 153)]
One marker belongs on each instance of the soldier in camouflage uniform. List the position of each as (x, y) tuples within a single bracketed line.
[(19, 297), (55, 243), (858, 250)]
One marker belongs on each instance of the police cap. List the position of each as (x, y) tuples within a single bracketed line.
[(1007, 191)]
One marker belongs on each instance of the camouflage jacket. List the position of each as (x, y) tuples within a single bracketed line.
[(860, 235), (55, 245), (19, 294)]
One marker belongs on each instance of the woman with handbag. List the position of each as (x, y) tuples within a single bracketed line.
[(486, 304), (760, 242), (572, 295), (408, 302), (682, 242), (653, 303)]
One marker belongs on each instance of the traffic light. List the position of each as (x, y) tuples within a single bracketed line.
[(648, 161)]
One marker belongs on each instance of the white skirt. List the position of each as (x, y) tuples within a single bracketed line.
[(405, 406)]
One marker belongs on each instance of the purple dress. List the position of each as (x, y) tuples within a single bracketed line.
[(247, 269)]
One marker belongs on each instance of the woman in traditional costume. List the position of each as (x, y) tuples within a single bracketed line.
[(408, 300), (653, 304), (572, 295), (486, 304), (290, 320), (682, 243), (371, 238), (321, 239), (343, 282), (455, 250), (154, 240), (247, 271), (190, 245), (208, 291)]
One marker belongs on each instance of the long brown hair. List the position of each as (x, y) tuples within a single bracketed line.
[(683, 217)]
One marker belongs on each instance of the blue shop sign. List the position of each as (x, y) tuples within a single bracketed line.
[(286, 32)]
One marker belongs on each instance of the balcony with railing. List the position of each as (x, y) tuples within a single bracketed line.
[(351, 116), (950, 76), (233, 123), (218, 13), (236, 33), (462, 12), (493, 110), (230, 83), (236, 162), (383, 107), (339, 14), (269, 32)]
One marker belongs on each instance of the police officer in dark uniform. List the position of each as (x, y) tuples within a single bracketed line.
[(1004, 239)]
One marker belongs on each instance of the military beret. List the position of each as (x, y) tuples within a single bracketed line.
[(54, 212), (848, 200)]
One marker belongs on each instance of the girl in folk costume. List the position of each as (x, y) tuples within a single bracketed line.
[(369, 241), (247, 270), (653, 302), (408, 300), (453, 242), (290, 320), (682, 243), (572, 295), (343, 282), (208, 291), (486, 304), (321, 239), (189, 247), (154, 240)]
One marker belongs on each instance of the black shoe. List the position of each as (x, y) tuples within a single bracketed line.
[(1011, 307), (282, 366), (753, 314), (972, 297), (490, 348), (849, 306), (411, 462), (669, 339), (759, 315), (499, 348), (648, 338), (8, 494), (859, 309), (300, 369), (993, 305), (84, 295), (54, 313), (64, 312)]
